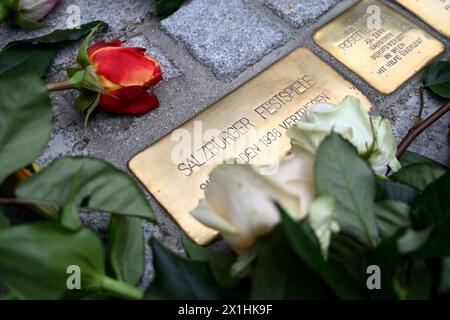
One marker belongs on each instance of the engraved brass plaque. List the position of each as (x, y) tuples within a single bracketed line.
[(248, 125), (434, 12), (380, 45)]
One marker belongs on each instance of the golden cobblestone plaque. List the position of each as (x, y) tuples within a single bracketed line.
[(434, 12), (248, 125), (380, 45)]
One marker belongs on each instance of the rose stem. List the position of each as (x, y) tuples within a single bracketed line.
[(62, 85), (422, 106), (417, 129)]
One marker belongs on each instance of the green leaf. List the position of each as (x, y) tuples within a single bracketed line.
[(34, 259), (341, 173), (385, 256), (12, 4), (179, 278), (126, 248), (25, 120), (4, 222), (61, 36), (409, 158), (437, 78), (418, 285), (411, 240), (279, 274), (444, 281), (392, 216), (438, 243), (433, 205), (37, 54), (167, 7), (390, 190), (70, 218), (100, 187), (306, 247), (4, 11), (69, 213), (219, 263), (419, 176), (37, 261), (27, 58), (344, 247)]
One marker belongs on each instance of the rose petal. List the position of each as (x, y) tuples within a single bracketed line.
[(132, 100), (127, 67), (158, 78), (102, 44)]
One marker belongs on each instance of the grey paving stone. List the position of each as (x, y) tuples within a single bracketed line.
[(226, 37), (300, 12)]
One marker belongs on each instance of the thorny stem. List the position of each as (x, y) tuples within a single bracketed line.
[(417, 129), (421, 107)]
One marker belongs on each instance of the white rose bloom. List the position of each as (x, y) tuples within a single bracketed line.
[(35, 10), (239, 201), (372, 136)]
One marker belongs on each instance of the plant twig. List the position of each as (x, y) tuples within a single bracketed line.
[(422, 105), (417, 129)]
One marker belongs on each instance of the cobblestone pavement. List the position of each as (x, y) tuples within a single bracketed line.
[(207, 48)]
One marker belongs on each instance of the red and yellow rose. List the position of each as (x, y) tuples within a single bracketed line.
[(125, 73)]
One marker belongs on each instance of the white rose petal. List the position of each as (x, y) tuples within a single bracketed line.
[(321, 218), (237, 206), (385, 149), (296, 176)]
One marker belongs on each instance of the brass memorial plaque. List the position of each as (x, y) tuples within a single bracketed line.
[(380, 45), (248, 125), (434, 12)]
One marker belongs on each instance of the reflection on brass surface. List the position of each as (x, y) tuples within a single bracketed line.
[(434, 12), (248, 125), (380, 45)]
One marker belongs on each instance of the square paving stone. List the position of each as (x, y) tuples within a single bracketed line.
[(299, 13), (227, 36)]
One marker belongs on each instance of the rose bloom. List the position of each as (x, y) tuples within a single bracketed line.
[(126, 74), (35, 10), (372, 136), (240, 201)]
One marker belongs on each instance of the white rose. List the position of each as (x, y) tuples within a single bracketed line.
[(240, 202), (372, 136), (35, 10)]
